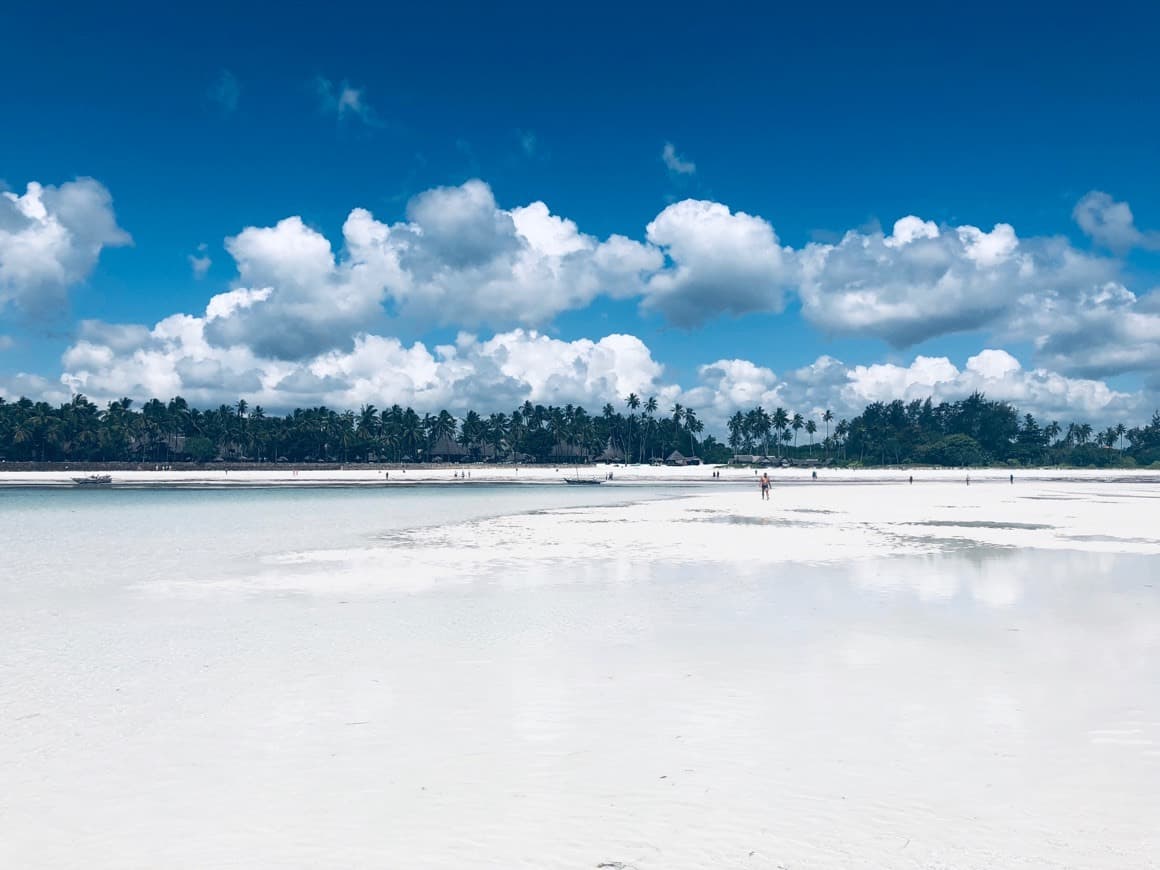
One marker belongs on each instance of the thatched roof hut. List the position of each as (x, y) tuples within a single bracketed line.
[(611, 453), (447, 450), (562, 452)]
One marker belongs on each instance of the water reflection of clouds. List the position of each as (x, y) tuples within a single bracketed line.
[(991, 576)]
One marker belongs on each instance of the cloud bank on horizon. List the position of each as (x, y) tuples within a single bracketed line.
[(307, 321)]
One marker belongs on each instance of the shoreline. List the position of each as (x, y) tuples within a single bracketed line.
[(622, 475)]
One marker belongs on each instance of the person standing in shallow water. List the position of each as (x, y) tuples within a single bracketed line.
[(764, 481)]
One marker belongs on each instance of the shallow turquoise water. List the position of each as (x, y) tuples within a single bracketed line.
[(69, 538)]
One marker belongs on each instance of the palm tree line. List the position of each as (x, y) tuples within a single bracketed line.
[(162, 432), (978, 431), (972, 431), (760, 432)]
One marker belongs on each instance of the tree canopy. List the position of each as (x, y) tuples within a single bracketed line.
[(972, 431)]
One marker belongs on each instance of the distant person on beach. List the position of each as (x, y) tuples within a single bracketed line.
[(1012, 478), (764, 481), (912, 478)]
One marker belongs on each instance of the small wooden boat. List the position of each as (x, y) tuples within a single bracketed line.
[(94, 480), (582, 481)]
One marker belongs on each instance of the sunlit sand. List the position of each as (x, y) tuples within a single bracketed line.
[(848, 675)]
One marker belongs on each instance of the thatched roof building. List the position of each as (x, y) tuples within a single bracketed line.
[(447, 450), (611, 453), (562, 452)]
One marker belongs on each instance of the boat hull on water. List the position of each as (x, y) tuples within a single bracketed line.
[(579, 482), (94, 480)]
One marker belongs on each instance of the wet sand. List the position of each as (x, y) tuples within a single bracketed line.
[(844, 676)]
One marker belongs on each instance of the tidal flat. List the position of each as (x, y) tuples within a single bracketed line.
[(886, 676)]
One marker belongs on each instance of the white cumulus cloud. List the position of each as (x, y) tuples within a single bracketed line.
[(730, 385), (458, 259), (998, 375), (33, 386), (1111, 223), (719, 262), (920, 281), (1105, 330), (177, 357), (50, 240)]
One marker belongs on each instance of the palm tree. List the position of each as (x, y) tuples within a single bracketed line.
[(693, 426), (1120, 431), (798, 424), (760, 424), (471, 432), (827, 416), (443, 426), (780, 422), (752, 429), (258, 430), (736, 425), (650, 408), (840, 432), (811, 428), (498, 430), (633, 403), (1051, 431), (411, 433), (368, 427)]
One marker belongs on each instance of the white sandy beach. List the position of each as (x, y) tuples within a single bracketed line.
[(856, 673), (736, 531), (622, 474)]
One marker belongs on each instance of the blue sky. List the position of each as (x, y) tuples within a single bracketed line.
[(202, 123)]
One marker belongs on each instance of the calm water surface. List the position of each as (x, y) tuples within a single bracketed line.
[(89, 538), (990, 708)]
